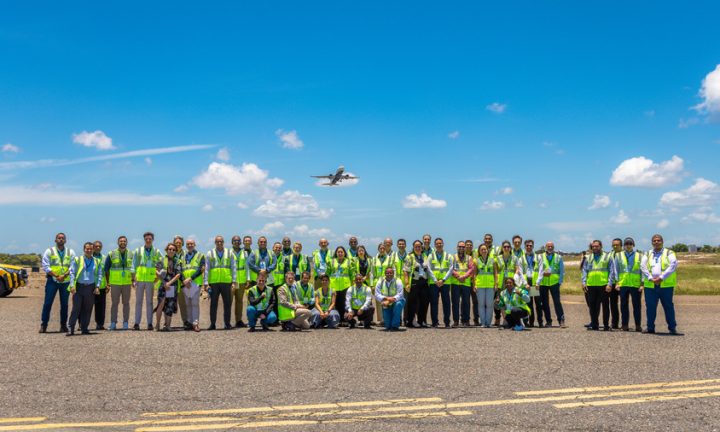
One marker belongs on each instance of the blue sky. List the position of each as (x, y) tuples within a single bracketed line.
[(558, 120)]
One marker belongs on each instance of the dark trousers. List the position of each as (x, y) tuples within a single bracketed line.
[(340, 305), (437, 294), (460, 292), (536, 311), (217, 290), (100, 307), (83, 301), (51, 289), (417, 302), (599, 297), (497, 311), (627, 293), (614, 299), (475, 306), (515, 317), (366, 316), (554, 291), (665, 297)]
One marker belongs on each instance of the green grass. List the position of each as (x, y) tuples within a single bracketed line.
[(693, 279)]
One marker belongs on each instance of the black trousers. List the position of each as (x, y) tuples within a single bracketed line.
[(340, 305), (216, 291), (598, 297), (614, 298), (497, 311), (100, 301), (515, 317), (418, 301), (82, 306), (626, 294), (365, 316), (536, 311)]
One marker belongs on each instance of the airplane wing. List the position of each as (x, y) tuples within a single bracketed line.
[(349, 177), (324, 177)]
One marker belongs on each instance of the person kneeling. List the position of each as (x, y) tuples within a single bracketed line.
[(513, 300), (324, 312), (359, 297), (261, 305), (292, 314)]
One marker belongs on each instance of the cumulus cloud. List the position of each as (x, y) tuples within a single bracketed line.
[(292, 204), (305, 231), (271, 228), (492, 205), (710, 93), (96, 139), (454, 135), (10, 148), (290, 139), (703, 217), (182, 188), (245, 179), (643, 172), (242, 205), (207, 208), (47, 219), (663, 223), (505, 191), (702, 193), (600, 202), (223, 154), (621, 218), (423, 200), (496, 107)]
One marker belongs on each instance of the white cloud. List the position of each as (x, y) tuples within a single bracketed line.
[(344, 183), (423, 200), (703, 217), (242, 205), (207, 208), (600, 202), (505, 191), (305, 231), (10, 148), (47, 219), (710, 92), (684, 124), (621, 218), (643, 172), (96, 139), (454, 135), (60, 197), (148, 161), (703, 192), (289, 139), (44, 163), (182, 188), (663, 223), (292, 204), (223, 154), (497, 108), (271, 228), (492, 205), (245, 179)]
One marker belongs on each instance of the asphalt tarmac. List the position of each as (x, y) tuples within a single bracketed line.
[(360, 380)]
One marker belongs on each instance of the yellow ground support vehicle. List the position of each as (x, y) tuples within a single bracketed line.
[(11, 277)]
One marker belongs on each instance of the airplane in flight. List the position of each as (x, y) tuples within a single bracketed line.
[(337, 178)]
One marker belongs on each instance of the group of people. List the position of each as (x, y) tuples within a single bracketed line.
[(508, 286)]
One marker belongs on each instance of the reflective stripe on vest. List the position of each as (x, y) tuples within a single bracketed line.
[(506, 269), (554, 268), (325, 299), (513, 300), (381, 266), (599, 273), (240, 261), (461, 267), (286, 313), (485, 277), (340, 277), (80, 267), (358, 296), (671, 281), (192, 266), (628, 277), (440, 268), (264, 302), (145, 271), (220, 271), (119, 270), (57, 265), (307, 296), (278, 273)]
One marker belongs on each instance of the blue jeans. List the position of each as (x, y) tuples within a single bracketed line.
[(331, 321), (486, 304), (392, 315), (627, 293), (435, 293), (52, 288), (252, 316), (665, 296), (458, 292)]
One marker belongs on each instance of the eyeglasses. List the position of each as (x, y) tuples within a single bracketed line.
[(506, 247)]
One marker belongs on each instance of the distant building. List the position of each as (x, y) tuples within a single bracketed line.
[(692, 248)]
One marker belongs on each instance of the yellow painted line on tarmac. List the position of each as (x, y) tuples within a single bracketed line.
[(112, 424), (279, 423), (4, 420), (638, 400), (293, 407), (619, 387)]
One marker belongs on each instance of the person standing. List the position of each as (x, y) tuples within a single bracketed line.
[(56, 262), (427, 248), (494, 252), (341, 276), (360, 298), (597, 273), (221, 277), (145, 260), (241, 258), (118, 272), (484, 284), (261, 305), (629, 281), (513, 301), (398, 260), (469, 250), (169, 272), (99, 299), (390, 293), (416, 272), (658, 267), (193, 273), (506, 266), (530, 268), (461, 285), (278, 274), (550, 277), (292, 314), (380, 263), (84, 284), (286, 246), (324, 312), (614, 295), (441, 269), (352, 247), (297, 262), (179, 243), (322, 258)]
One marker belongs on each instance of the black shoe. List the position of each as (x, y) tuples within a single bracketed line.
[(265, 328), (70, 332), (423, 325), (588, 325), (240, 324), (549, 325), (187, 326), (136, 327), (228, 327), (43, 328), (455, 325), (397, 329), (674, 332), (352, 324), (435, 326), (212, 327), (648, 331), (607, 329), (251, 330), (98, 328), (466, 324), (150, 327), (369, 327), (476, 322), (63, 329), (85, 332)]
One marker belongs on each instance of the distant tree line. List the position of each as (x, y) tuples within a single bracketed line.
[(25, 260), (682, 247)]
